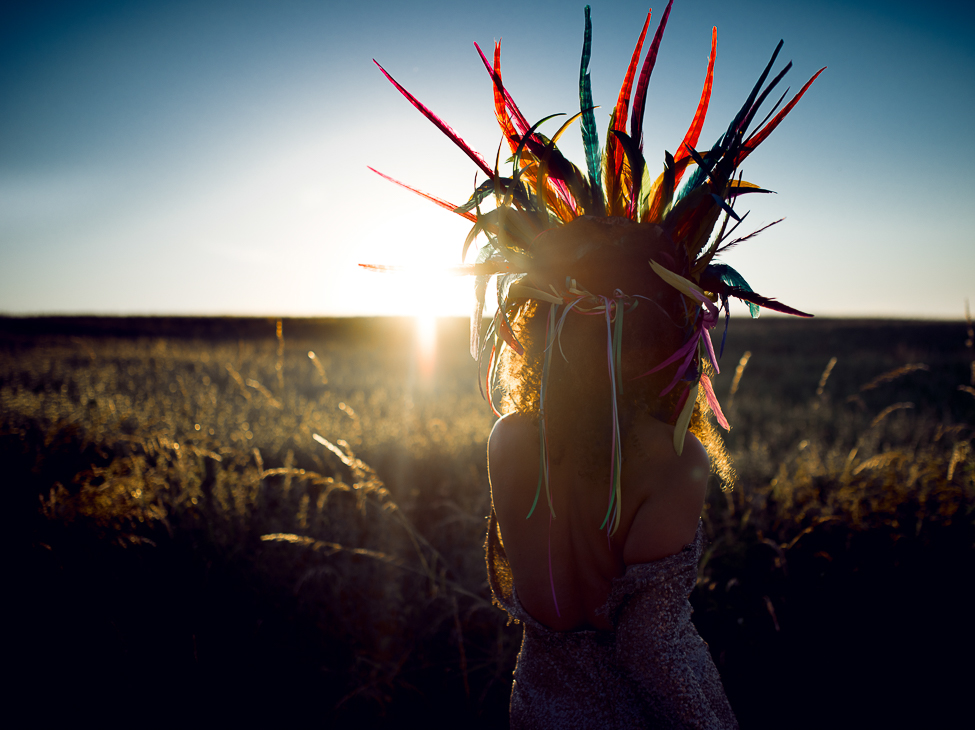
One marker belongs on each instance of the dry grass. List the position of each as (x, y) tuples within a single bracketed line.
[(305, 516)]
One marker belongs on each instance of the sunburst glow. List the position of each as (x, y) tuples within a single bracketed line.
[(425, 327), (416, 292)]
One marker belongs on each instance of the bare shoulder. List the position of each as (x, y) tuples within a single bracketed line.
[(667, 518), (513, 437), (510, 430), (512, 455)]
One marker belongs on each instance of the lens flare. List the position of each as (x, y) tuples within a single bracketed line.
[(425, 327)]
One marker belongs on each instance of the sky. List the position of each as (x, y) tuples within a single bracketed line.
[(210, 157)]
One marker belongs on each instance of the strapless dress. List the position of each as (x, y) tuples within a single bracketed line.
[(652, 671)]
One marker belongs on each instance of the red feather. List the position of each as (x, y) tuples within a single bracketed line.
[(441, 125), (520, 123), (500, 101), (640, 100), (512, 120), (432, 198), (756, 139), (614, 150), (694, 131)]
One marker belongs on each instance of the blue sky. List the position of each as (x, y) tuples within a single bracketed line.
[(210, 157)]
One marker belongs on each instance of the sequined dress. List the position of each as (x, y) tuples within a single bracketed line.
[(652, 671)]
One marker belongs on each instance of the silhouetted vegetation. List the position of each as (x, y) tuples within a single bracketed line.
[(203, 513)]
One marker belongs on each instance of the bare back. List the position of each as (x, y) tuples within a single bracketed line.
[(663, 495)]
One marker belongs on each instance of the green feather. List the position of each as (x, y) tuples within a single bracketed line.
[(590, 135)]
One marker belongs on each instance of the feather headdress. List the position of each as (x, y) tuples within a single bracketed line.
[(548, 217)]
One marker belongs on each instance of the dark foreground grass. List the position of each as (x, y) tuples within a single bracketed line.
[(205, 523)]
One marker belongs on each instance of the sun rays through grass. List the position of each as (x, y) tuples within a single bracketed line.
[(299, 505)]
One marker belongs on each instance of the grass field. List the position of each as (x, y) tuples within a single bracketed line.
[(286, 522)]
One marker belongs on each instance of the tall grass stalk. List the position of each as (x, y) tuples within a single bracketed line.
[(345, 515)]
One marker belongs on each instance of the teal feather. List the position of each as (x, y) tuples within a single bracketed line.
[(704, 167), (590, 135), (489, 187), (732, 278)]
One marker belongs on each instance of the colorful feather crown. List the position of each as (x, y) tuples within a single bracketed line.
[(549, 216)]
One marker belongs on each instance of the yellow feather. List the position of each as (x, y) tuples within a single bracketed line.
[(517, 291), (677, 281)]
